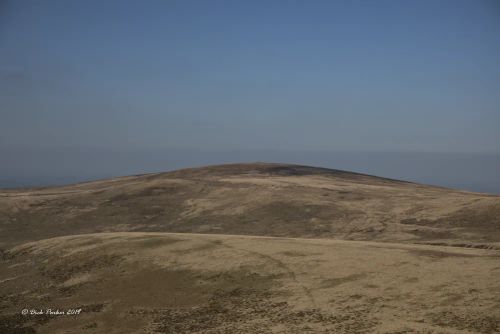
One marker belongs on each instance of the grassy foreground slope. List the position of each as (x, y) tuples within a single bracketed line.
[(192, 283), (255, 199)]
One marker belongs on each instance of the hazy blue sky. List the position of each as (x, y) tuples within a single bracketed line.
[(351, 76)]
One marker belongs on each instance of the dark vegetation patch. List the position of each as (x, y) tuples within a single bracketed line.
[(252, 309), (67, 291), (91, 308), (5, 254), (8, 299), (482, 323), (290, 211), (480, 218), (279, 218), (435, 254), (146, 192), (411, 280), (266, 169), (333, 282), (149, 209), (487, 217), (432, 233), (61, 269), (300, 171), (21, 324), (464, 245), (483, 221), (350, 195)]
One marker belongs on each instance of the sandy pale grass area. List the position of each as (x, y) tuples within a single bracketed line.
[(127, 282)]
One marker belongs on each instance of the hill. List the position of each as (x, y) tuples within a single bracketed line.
[(249, 248), (255, 199), (192, 283)]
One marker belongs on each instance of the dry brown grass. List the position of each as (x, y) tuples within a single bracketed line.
[(193, 283), (265, 248), (256, 199)]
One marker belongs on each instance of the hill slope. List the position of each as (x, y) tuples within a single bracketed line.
[(255, 199), (138, 279), (191, 283)]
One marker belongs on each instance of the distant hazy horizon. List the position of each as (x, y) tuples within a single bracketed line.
[(46, 167), (118, 82)]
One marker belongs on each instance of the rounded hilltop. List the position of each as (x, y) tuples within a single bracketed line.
[(265, 199)]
